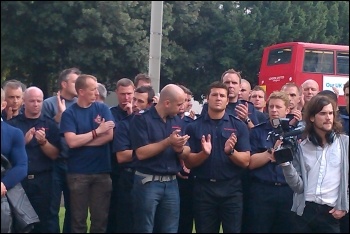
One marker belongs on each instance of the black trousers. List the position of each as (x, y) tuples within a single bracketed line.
[(316, 219), (38, 188), (218, 202), (186, 205)]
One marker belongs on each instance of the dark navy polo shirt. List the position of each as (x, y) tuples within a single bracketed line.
[(231, 109), (218, 165), (37, 160), (147, 128), (185, 121), (121, 140), (270, 172), (87, 159), (118, 113)]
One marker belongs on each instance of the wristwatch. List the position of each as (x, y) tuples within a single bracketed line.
[(247, 120)]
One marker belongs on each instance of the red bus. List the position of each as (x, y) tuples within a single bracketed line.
[(300, 61)]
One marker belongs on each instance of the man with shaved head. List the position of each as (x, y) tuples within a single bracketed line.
[(245, 91), (310, 88), (158, 142), (42, 141)]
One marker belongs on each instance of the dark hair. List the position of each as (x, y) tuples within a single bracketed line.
[(141, 76), (232, 71), (331, 95), (219, 85), (64, 75), (80, 83), (146, 89), (314, 106)]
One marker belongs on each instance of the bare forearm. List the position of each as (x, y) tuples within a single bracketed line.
[(50, 150), (124, 156), (195, 159), (151, 150), (259, 160), (240, 158), (58, 117), (75, 141), (101, 139)]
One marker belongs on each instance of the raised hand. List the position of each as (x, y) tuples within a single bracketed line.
[(61, 103), (230, 143), (242, 111), (206, 144), (40, 135), (177, 141), (9, 113), (127, 106), (29, 135)]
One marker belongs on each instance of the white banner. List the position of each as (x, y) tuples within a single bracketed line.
[(334, 81)]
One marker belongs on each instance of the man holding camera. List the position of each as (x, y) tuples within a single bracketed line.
[(270, 197), (319, 173)]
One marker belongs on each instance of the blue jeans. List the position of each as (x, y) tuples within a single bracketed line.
[(156, 206), (59, 185)]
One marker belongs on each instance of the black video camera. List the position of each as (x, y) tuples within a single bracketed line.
[(288, 135)]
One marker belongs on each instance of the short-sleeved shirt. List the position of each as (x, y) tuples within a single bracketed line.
[(37, 160), (121, 140), (148, 127), (218, 165), (87, 159), (259, 142), (231, 109)]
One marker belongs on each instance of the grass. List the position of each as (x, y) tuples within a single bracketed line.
[(61, 217)]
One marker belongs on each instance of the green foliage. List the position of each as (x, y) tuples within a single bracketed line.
[(110, 39)]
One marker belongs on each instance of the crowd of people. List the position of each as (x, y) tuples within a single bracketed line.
[(151, 164)]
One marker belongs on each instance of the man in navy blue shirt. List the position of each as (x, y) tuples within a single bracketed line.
[(143, 99), (220, 148), (88, 128), (158, 144), (243, 109), (42, 146), (53, 107), (270, 196), (125, 93)]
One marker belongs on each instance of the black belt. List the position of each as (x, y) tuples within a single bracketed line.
[(268, 182), (33, 175)]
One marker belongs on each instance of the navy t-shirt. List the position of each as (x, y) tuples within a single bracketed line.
[(87, 159), (148, 127), (218, 165)]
